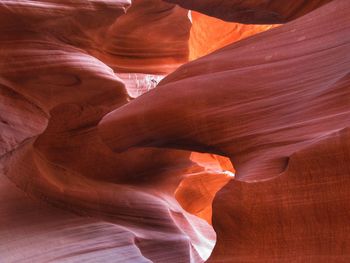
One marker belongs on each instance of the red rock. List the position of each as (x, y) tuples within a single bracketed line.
[(151, 38), (130, 188), (196, 191), (299, 216), (209, 34), (252, 11), (214, 104), (53, 94), (278, 105)]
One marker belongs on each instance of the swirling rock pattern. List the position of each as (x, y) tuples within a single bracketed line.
[(150, 38), (300, 216), (54, 90), (278, 105), (91, 171), (257, 121), (252, 11)]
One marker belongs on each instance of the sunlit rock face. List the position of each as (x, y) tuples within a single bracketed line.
[(115, 148), (209, 33), (253, 11), (139, 83)]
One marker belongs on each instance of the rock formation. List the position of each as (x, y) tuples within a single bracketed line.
[(209, 34), (140, 131), (253, 11), (256, 121)]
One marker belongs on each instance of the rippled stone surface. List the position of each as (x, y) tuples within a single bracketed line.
[(253, 11), (278, 105), (55, 87), (112, 143)]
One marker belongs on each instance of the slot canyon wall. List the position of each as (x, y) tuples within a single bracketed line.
[(174, 131)]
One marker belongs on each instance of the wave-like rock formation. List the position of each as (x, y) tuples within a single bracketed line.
[(253, 11), (81, 202), (107, 155), (150, 38), (251, 101), (278, 105)]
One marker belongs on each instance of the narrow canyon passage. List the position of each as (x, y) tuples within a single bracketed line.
[(174, 131)]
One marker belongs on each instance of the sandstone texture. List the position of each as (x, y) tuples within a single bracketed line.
[(174, 131), (252, 11)]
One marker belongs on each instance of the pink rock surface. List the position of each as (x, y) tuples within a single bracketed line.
[(297, 96), (109, 207), (137, 84), (150, 38), (278, 105), (99, 163), (299, 216)]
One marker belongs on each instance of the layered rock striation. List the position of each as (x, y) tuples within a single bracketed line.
[(115, 148)]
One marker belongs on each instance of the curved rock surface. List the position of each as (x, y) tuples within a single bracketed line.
[(91, 171), (252, 11), (214, 104), (300, 216), (209, 34), (152, 37), (278, 104), (53, 93)]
